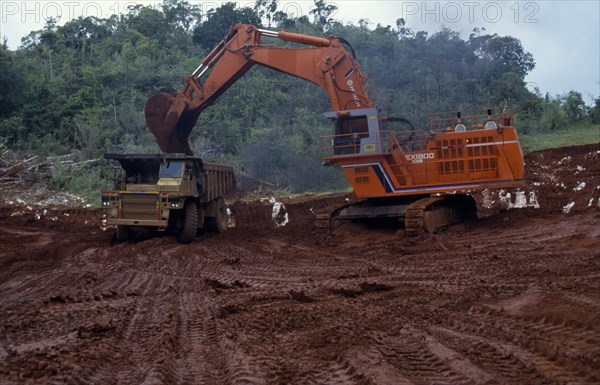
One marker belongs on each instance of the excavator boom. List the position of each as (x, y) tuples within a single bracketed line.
[(325, 62)]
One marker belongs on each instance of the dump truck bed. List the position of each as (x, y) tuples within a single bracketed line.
[(215, 179), (218, 180)]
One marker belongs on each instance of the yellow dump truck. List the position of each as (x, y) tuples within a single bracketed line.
[(168, 192)]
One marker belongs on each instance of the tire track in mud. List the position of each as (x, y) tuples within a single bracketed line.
[(143, 350), (561, 350), (267, 275), (507, 362), (494, 360), (412, 359), (78, 331), (506, 366), (529, 234), (197, 340)]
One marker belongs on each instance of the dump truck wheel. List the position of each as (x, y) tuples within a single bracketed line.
[(123, 233), (201, 219), (190, 223), (220, 222)]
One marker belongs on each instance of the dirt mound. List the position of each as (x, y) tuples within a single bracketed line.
[(509, 299), (301, 210), (565, 179)]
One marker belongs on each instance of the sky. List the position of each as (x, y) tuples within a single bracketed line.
[(563, 36)]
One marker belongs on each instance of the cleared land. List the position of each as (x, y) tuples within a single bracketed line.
[(513, 298)]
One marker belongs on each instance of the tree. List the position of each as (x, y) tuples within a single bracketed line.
[(505, 52), (553, 118), (402, 31), (574, 106), (82, 32), (322, 13), (595, 112), (11, 82), (181, 14), (508, 88), (147, 21), (209, 33), (267, 10)]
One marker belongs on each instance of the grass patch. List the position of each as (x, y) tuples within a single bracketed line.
[(572, 136)]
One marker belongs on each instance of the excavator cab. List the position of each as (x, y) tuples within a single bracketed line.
[(356, 132), (349, 132)]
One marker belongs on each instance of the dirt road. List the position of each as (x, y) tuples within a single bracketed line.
[(510, 299)]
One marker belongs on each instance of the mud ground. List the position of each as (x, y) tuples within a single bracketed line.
[(512, 298)]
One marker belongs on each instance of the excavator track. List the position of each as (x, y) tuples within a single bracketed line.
[(325, 217), (414, 219), (423, 215), (430, 214)]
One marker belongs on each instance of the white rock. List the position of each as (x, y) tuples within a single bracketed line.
[(564, 160), (533, 201), (568, 207), (505, 199), (279, 214), (520, 200)]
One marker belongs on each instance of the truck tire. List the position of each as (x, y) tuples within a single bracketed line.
[(220, 222), (123, 233), (187, 232)]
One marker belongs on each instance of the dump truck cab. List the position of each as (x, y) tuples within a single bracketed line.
[(171, 192)]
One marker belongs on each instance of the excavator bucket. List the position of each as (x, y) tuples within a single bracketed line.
[(171, 121)]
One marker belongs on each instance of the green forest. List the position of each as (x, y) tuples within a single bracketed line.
[(81, 88)]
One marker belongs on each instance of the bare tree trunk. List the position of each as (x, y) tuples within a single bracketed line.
[(115, 107), (50, 57)]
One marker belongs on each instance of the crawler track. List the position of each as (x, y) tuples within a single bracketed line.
[(414, 218)]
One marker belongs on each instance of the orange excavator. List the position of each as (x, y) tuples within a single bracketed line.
[(422, 177)]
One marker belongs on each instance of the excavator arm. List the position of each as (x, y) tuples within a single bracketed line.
[(326, 63)]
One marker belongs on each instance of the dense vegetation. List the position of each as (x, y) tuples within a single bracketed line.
[(81, 87)]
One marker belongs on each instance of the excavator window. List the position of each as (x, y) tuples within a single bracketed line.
[(352, 125), (348, 133)]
